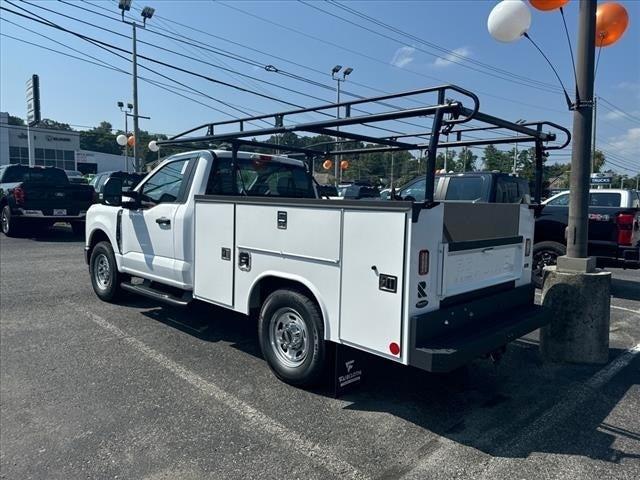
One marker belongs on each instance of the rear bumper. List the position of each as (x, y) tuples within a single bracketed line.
[(448, 338), (45, 215)]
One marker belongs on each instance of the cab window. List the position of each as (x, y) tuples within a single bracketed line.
[(166, 184), (560, 200)]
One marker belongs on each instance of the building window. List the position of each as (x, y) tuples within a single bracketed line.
[(64, 159), (19, 155)]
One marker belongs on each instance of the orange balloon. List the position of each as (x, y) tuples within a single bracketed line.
[(547, 5), (612, 20), (327, 164), (344, 164), (131, 140)]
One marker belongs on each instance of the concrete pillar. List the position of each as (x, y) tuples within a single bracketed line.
[(580, 307)]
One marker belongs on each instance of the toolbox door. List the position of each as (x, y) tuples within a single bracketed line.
[(372, 280), (214, 252)]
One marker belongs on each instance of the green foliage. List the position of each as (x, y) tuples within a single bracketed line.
[(52, 124), (15, 120)]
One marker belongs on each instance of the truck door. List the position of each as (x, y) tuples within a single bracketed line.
[(147, 232)]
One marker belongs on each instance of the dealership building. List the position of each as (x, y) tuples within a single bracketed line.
[(53, 148)]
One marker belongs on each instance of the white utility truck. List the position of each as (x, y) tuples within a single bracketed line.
[(428, 284)]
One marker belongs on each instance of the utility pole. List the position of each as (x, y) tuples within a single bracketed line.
[(593, 140), (579, 294), (577, 231)]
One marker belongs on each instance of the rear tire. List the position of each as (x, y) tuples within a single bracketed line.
[(105, 277), (545, 254), (291, 336), (8, 224)]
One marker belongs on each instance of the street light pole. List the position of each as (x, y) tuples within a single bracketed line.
[(135, 101), (334, 72), (147, 13)]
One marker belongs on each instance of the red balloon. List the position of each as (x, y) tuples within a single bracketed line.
[(131, 140), (344, 164), (548, 5), (612, 20)]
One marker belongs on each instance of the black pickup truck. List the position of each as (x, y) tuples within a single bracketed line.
[(614, 229), (34, 198)]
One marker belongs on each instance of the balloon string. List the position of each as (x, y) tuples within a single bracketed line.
[(573, 62), (598, 58), (566, 95)]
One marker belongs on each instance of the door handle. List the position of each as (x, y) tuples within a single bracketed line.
[(163, 221)]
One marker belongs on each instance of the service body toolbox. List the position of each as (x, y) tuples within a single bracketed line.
[(419, 288)]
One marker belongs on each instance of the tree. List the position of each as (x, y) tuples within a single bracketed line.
[(598, 161), (52, 124), (452, 164), (494, 159), (466, 160), (15, 120)]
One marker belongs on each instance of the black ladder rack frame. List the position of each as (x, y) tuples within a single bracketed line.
[(448, 116)]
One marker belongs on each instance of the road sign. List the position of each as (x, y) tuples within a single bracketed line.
[(601, 179), (33, 100)]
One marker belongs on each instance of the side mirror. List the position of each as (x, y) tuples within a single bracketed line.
[(112, 192)]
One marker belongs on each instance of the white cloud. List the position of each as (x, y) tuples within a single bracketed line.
[(627, 145), (613, 115), (451, 57), (403, 57)]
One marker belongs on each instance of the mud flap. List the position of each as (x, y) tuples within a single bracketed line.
[(348, 369)]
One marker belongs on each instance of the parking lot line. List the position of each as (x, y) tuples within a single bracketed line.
[(636, 312), (564, 407), (323, 456)]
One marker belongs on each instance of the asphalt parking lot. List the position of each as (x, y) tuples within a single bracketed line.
[(141, 391)]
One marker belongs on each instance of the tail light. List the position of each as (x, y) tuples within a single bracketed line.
[(527, 247), (625, 228), (423, 262), (19, 195)]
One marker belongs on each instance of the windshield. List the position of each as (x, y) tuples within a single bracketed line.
[(51, 176)]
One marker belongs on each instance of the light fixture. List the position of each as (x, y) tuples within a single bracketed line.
[(147, 13), (336, 69), (124, 5), (121, 140), (347, 71), (153, 146), (130, 106), (120, 105)]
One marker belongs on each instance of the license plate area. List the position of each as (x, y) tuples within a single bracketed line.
[(59, 212)]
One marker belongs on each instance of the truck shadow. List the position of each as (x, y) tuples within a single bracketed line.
[(626, 289), (520, 407)]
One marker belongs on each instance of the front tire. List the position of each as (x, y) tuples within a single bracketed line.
[(8, 223), (105, 277), (545, 254), (291, 336)]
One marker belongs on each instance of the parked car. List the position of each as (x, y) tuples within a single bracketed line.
[(34, 198), (75, 176), (357, 191), (614, 229), (129, 180), (482, 187)]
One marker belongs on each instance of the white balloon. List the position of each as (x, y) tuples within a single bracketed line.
[(153, 146), (121, 140), (509, 20)]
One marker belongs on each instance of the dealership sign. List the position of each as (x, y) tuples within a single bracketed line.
[(601, 178), (33, 100)]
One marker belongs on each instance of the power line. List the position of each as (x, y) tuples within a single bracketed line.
[(528, 83)]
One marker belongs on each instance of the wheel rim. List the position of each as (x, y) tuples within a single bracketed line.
[(288, 337), (5, 221), (543, 258), (102, 271)]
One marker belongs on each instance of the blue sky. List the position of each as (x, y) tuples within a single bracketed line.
[(79, 93)]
